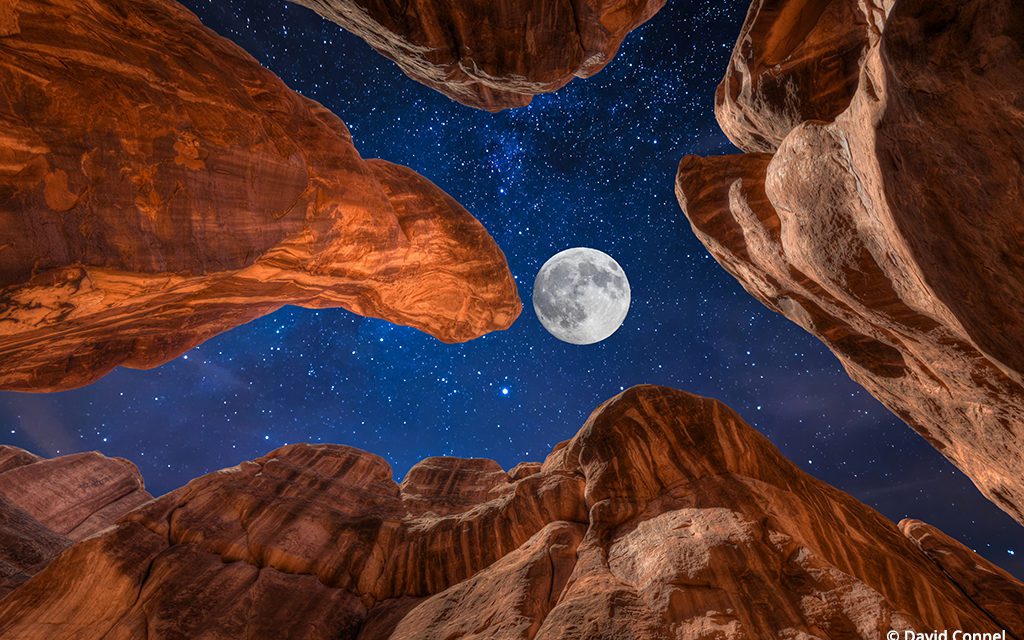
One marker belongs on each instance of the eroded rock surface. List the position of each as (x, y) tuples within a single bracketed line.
[(795, 60), (158, 186), (46, 504), (989, 586), (888, 221), (492, 54), (666, 516)]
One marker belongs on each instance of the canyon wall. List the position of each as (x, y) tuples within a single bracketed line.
[(666, 516), (159, 186), (47, 504), (879, 206)]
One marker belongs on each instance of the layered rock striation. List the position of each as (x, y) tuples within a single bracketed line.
[(159, 186), (794, 61), (879, 206), (993, 589), (666, 516), (47, 504), (492, 54)]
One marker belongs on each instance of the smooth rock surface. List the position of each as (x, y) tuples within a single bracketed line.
[(46, 504), (894, 229), (492, 54), (666, 516), (159, 186)]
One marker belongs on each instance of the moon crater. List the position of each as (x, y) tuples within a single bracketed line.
[(581, 295)]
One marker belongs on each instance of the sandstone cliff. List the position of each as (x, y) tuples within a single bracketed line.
[(158, 186), (492, 54), (880, 206), (45, 505), (664, 517)]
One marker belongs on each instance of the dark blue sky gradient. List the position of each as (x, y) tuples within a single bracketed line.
[(591, 165)]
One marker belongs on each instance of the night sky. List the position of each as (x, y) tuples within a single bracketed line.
[(591, 165)]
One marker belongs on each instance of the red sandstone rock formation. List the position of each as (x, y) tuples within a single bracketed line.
[(795, 60), (45, 505), (664, 517), (158, 186), (492, 54), (990, 587), (887, 220)]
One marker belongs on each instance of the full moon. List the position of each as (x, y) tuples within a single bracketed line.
[(581, 295)]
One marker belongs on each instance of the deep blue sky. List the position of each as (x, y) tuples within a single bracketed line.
[(591, 165)]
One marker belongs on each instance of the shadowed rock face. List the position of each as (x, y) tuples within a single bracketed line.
[(158, 186), (492, 54), (990, 587), (795, 60), (45, 505), (664, 517), (890, 225)]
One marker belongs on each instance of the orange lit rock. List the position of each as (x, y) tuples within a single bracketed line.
[(492, 54), (666, 516), (795, 60), (159, 186), (989, 586), (890, 227)]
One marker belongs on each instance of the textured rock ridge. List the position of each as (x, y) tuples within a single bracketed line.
[(887, 220), (795, 60), (45, 505), (991, 588), (492, 54), (158, 186), (666, 516)]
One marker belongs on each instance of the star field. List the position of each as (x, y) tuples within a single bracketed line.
[(591, 165)]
